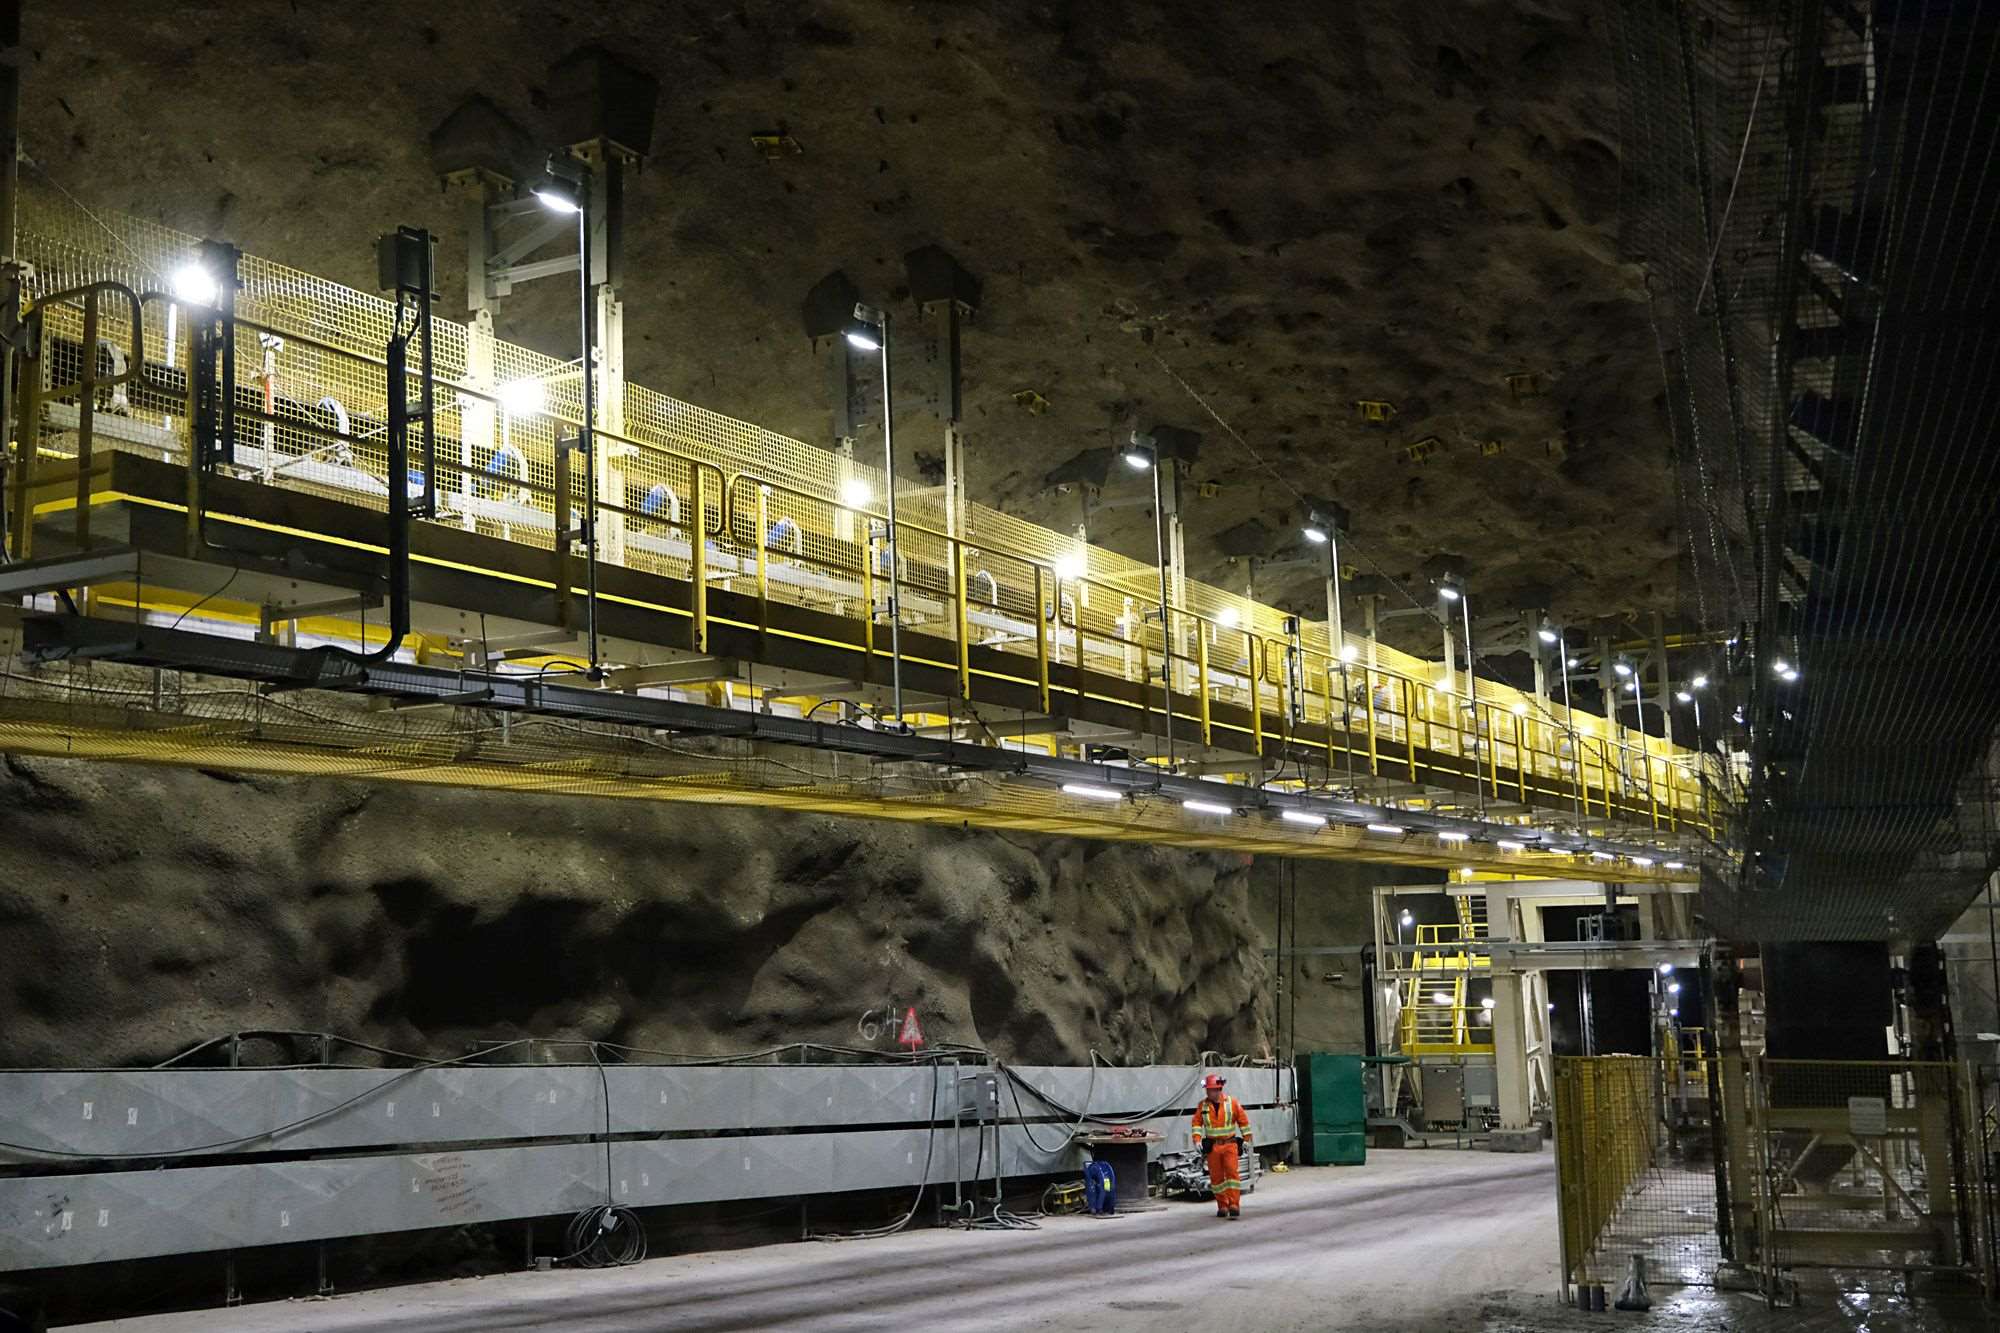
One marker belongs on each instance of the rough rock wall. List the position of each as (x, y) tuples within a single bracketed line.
[(1294, 204), (145, 909)]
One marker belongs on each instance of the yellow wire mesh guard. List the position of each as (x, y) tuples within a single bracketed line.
[(312, 397)]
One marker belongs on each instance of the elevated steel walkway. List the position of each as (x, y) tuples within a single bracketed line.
[(738, 571)]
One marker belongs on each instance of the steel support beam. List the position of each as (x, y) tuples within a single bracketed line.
[(56, 638)]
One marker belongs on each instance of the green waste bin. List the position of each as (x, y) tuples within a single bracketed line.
[(1333, 1110)]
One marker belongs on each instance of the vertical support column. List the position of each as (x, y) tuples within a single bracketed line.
[(1201, 633), (954, 438), (1515, 1133), (1663, 692), (479, 417), (10, 271), (961, 622), (610, 454), (1735, 1154), (1042, 619), (607, 253), (697, 530), (1531, 621)]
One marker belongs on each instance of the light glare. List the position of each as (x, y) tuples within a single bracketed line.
[(1091, 793), (1207, 808), (1303, 817), (522, 397), (195, 285), (557, 202)]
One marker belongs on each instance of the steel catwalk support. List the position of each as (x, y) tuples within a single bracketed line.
[(52, 638)]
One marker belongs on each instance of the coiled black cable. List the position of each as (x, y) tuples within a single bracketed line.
[(606, 1236)]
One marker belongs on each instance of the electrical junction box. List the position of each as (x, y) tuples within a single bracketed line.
[(1482, 1085), (979, 1095)]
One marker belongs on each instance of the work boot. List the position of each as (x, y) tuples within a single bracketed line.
[(1235, 1214), (1221, 1212)]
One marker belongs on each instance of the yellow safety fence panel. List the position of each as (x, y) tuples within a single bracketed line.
[(1635, 1174)]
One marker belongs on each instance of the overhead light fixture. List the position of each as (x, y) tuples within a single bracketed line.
[(1070, 565), (854, 493), (1302, 817), (1448, 592), (1633, 687), (1666, 969), (1091, 793), (1138, 460), (1675, 865), (865, 330), (195, 285), (1348, 652), (1454, 837), (1228, 617), (561, 188), (1548, 633), (1509, 845), (1674, 1012), (1789, 675), (1314, 534), (1466, 872), (1573, 663), (1408, 916), (1673, 988), (1602, 856), (1208, 808), (1389, 830), (1683, 696), (1622, 667), (1642, 860), (522, 397), (1698, 683), (1520, 710)]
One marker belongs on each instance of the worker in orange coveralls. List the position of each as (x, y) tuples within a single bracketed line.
[(1221, 1131)]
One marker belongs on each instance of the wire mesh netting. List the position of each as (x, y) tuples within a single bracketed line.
[(1865, 1164), (1810, 186)]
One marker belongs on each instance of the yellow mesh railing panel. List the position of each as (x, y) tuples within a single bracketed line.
[(310, 388)]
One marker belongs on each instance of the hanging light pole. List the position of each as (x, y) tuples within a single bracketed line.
[(1557, 637), (566, 189), (1452, 593), (1323, 528), (1142, 454), (870, 333)]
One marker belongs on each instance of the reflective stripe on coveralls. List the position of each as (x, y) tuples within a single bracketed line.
[(1217, 1124)]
